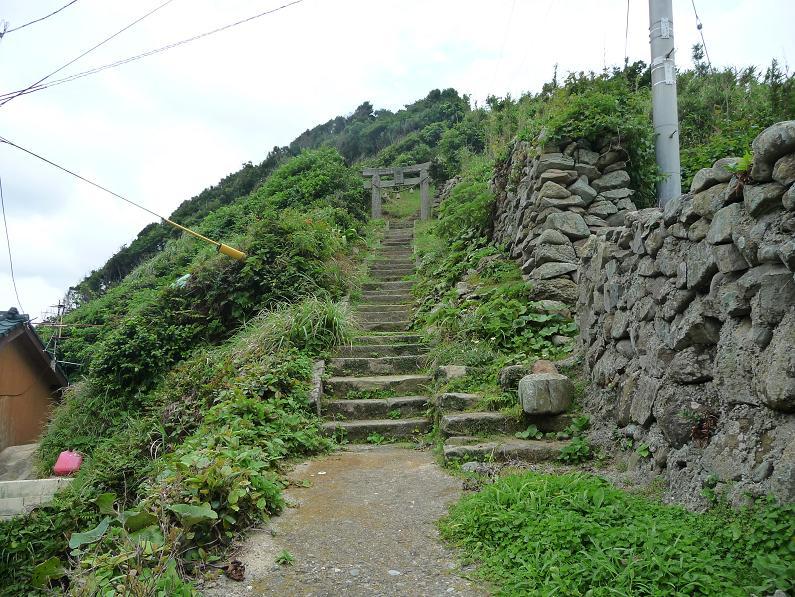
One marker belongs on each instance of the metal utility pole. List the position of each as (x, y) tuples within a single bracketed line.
[(663, 96)]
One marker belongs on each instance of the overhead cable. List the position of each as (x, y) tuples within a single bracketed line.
[(225, 249), (122, 61), (40, 18), (91, 49), (8, 244), (700, 28)]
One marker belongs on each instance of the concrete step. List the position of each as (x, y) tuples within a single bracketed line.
[(408, 384), (397, 338), (382, 316), (381, 297), (478, 423), (359, 430), (392, 261), (504, 449), (386, 285), (395, 252), (382, 276), (391, 269), (389, 365), (383, 307), (18, 497), (456, 401), (381, 350), (16, 462), (376, 408), (386, 326)]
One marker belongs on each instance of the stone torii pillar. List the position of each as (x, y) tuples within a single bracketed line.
[(376, 211), (425, 196)]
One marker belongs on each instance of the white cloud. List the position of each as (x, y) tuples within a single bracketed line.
[(162, 129)]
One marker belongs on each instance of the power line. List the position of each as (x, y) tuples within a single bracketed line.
[(123, 61), (700, 28), (103, 42), (225, 249), (626, 38), (8, 244), (41, 18)]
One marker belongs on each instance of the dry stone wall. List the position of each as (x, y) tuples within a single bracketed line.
[(550, 200), (686, 315)]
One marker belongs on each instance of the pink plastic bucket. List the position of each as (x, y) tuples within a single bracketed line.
[(68, 463)]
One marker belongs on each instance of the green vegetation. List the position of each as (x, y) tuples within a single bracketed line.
[(194, 394), (574, 534)]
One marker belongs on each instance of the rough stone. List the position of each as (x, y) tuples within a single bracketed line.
[(691, 366), (602, 209), (573, 201), (709, 201), (586, 156), (553, 237), (784, 170), (613, 180), (545, 393), (509, 376), (592, 172), (554, 161), (777, 375), (640, 410), (729, 259), (611, 157), (703, 179), (553, 190), (559, 253), (552, 270), (762, 198), (774, 142), (701, 266), (720, 230), (561, 177), (570, 224), (559, 289), (788, 200), (698, 230), (582, 189), (723, 169)]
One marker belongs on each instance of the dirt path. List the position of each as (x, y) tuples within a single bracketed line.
[(365, 526)]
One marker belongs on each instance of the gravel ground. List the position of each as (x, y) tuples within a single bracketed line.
[(364, 526)]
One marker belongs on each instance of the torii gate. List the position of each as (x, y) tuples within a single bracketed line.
[(379, 178)]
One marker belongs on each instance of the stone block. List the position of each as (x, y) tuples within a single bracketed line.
[(545, 393), (784, 170), (552, 270), (762, 198), (720, 230), (554, 253), (570, 224), (613, 180), (774, 142), (509, 376)]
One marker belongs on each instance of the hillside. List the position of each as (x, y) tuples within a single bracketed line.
[(190, 396)]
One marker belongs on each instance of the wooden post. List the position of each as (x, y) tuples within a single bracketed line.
[(376, 197), (425, 197)]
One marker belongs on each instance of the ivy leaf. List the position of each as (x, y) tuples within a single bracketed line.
[(105, 503), (134, 521), (190, 514), (92, 536), (46, 571)]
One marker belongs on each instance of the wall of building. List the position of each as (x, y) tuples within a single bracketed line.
[(25, 395), (686, 315)]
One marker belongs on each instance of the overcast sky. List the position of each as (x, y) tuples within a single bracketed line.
[(162, 129)]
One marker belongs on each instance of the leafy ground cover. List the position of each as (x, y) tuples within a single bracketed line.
[(574, 534)]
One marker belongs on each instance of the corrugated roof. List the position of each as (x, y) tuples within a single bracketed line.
[(11, 320)]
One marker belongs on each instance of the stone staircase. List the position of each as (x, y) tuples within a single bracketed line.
[(378, 384)]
